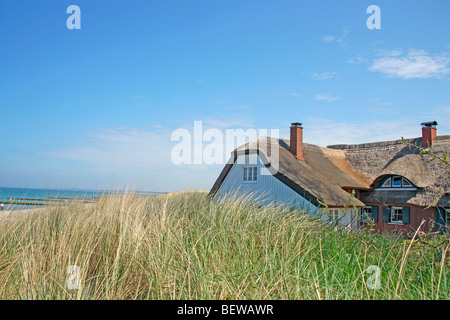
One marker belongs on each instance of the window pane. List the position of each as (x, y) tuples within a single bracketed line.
[(387, 183), (334, 214), (397, 182), (406, 183), (250, 173), (447, 213), (366, 213), (397, 215)]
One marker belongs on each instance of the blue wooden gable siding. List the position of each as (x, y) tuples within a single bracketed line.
[(267, 188)]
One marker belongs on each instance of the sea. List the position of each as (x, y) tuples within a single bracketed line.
[(26, 198)]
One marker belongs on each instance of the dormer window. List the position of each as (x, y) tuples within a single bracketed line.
[(387, 183), (406, 183), (396, 183)]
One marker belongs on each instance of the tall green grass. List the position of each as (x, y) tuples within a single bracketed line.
[(183, 246)]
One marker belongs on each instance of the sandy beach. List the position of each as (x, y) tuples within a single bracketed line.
[(8, 214)]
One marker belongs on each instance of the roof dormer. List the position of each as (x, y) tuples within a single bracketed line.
[(393, 182)]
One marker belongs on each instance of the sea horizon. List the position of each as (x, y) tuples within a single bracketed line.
[(17, 198)]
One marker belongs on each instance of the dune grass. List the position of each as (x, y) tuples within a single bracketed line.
[(184, 246)]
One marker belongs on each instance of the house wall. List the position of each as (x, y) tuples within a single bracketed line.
[(417, 214), (346, 217), (442, 219), (266, 190)]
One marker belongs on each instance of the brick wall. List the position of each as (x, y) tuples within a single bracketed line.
[(417, 214)]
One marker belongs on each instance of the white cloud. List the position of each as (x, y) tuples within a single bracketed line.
[(387, 111), (324, 75), (380, 106), (380, 102), (221, 124), (323, 131), (129, 147), (340, 39), (441, 114), (329, 38), (325, 97), (221, 102), (140, 158), (359, 59), (388, 53), (415, 64), (143, 156)]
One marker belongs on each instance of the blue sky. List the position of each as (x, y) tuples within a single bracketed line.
[(96, 107)]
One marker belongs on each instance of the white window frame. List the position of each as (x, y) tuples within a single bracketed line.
[(250, 172), (334, 214), (393, 210), (402, 187), (398, 178), (408, 183), (364, 217), (390, 183)]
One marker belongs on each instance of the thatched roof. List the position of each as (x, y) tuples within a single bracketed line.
[(319, 178), (377, 160), (326, 172)]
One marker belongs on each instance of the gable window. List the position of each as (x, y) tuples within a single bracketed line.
[(396, 183), (387, 183), (250, 173), (406, 183)]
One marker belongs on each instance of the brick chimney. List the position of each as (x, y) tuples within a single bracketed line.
[(296, 140), (428, 133)]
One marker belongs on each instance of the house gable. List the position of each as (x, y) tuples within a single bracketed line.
[(317, 179), (267, 189)]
